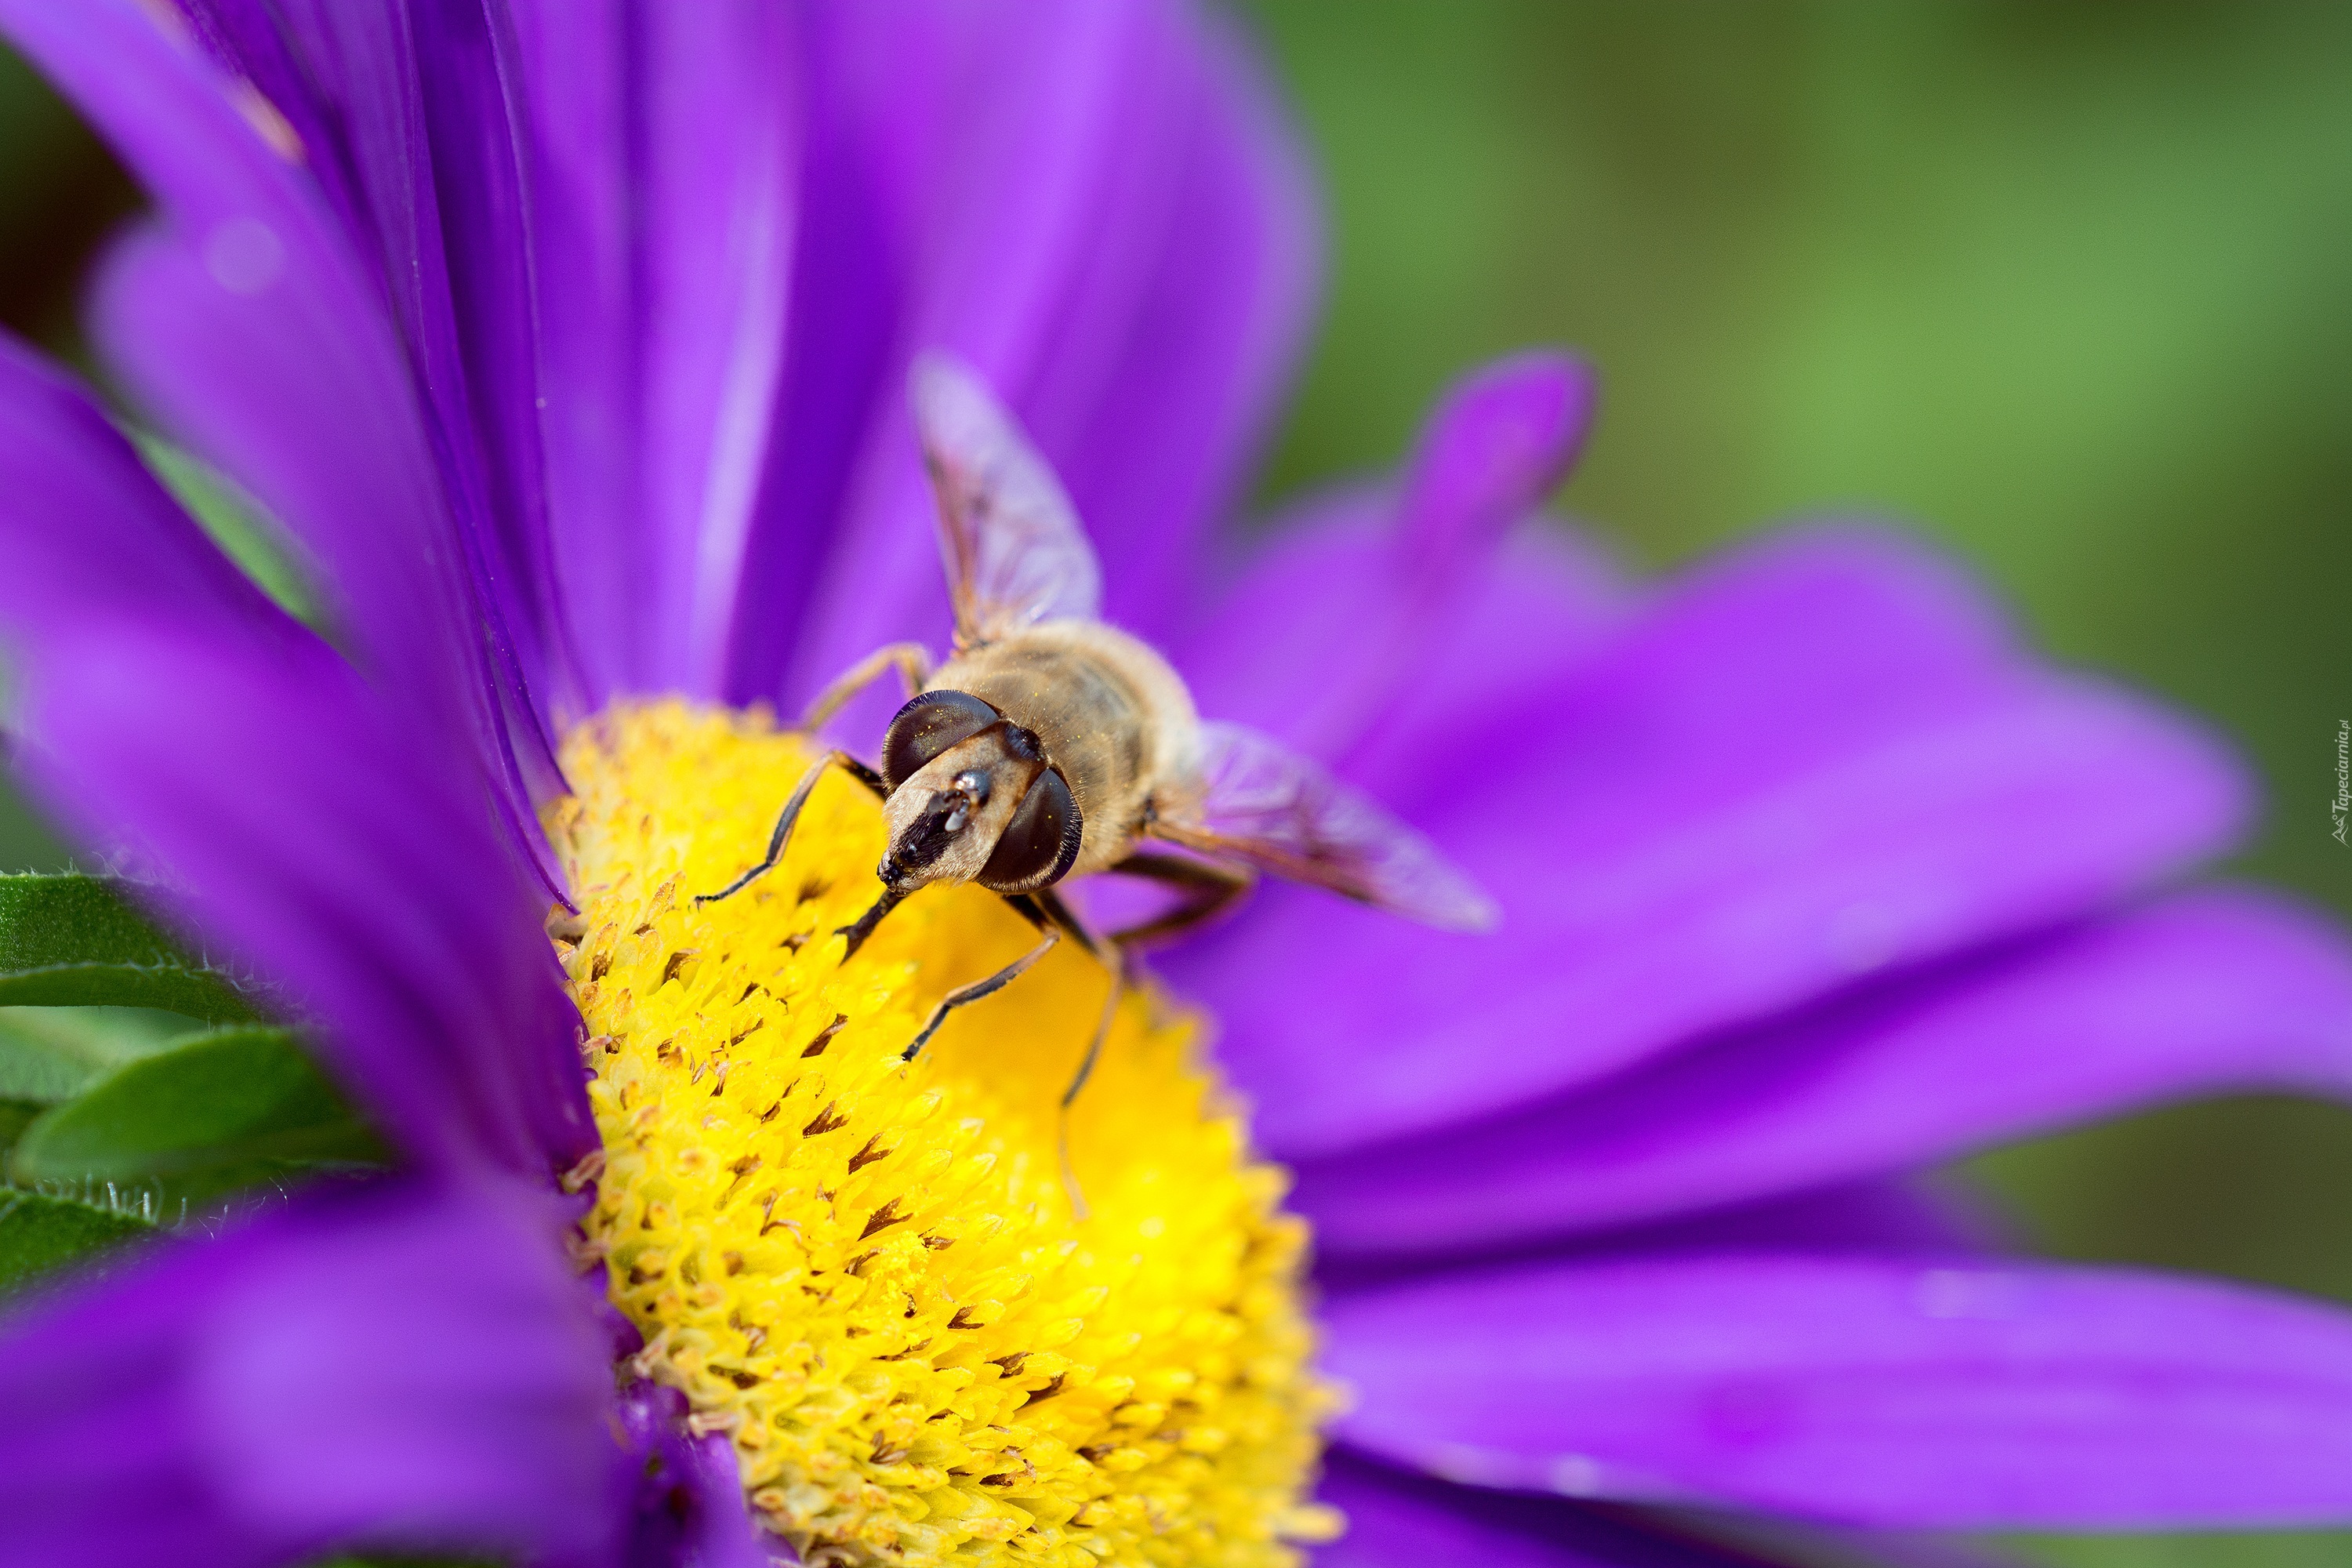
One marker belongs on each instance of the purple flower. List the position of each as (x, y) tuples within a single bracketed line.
[(568, 341)]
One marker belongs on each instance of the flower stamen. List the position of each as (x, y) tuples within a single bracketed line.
[(868, 1273)]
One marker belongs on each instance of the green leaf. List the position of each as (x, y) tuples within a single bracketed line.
[(36, 1067), (68, 940), (245, 532), (40, 1234), (56, 919), (218, 1110), (48, 1054), (199, 993), (15, 1115)]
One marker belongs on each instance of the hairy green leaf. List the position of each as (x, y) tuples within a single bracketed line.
[(40, 1234), (199, 993), (63, 918), (68, 940)]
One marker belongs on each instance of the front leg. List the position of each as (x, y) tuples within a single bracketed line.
[(912, 660), (790, 814)]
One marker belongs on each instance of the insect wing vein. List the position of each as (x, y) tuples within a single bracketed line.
[(1266, 804), (1011, 543)]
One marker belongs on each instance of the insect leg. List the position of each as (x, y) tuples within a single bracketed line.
[(963, 996), (862, 775), (1045, 904), (914, 665), (1210, 889), (1115, 961), (790, 814)]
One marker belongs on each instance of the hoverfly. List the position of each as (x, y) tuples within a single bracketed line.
[(1051, 745)]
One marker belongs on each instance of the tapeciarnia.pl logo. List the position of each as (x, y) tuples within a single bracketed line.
[(2341, 806)]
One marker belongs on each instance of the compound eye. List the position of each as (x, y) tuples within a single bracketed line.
[(1039, 843), (928, 725)]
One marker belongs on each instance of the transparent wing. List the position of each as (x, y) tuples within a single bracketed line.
[(1260, 803), (1012, 546)]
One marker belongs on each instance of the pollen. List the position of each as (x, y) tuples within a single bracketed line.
[(870, 1274)]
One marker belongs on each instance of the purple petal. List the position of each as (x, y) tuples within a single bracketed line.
[(1375, 607), (1399, 1520), (663, 141), (1410, 1521), (87, 530), (241, 320), (1730, 812), (1902, 1395), (1915, 1217), (1911, 1216), (404, 127), (1498, 443), (686, 1507), (1093, 206), (469, 73), (1157, 394), (304, 832), (309, 833), (407, 125), (393, 1365), (2213, 992), (716, 283), (406, 122)]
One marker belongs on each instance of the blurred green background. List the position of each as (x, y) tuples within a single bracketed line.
[(2060, 284)]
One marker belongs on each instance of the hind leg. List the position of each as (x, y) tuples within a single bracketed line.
[(1208, 890), (1115, 961)]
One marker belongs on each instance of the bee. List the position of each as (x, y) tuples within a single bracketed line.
[(1051, 745)]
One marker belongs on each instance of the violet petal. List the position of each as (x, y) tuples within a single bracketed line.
[(165, 696), (299, 828), (1815, 760), (2210, 992), (664, 141), (1910, 1217), (240, 318), (1098, 208), (130, 550), (394, 1365), (1397, 1519), (685, 1496), (1904, 1394), (1373, 605)]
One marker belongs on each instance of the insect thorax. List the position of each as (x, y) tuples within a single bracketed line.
[(1107, 711)]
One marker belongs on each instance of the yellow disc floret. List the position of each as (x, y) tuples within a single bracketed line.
[(870, 1273)]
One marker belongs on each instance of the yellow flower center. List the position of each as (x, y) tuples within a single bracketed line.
[(868, 1273)]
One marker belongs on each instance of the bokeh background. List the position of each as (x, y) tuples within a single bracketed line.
[(2060, 283)]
